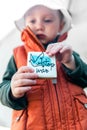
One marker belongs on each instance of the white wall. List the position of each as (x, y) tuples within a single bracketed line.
[(6, 49)]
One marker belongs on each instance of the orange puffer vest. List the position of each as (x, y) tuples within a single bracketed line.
[(50, 107)]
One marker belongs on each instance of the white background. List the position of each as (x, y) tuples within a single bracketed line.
[(6, 19), (10, 10)]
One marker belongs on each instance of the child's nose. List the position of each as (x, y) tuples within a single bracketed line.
[(39, 26)]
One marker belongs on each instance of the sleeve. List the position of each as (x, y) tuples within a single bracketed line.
[(79, 75), (5, 91)]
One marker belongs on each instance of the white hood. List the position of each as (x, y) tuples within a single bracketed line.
[(52, 4)]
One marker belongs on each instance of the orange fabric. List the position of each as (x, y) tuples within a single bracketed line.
[(50, 107)]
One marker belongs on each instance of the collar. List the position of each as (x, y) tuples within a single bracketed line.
[(53, 41)]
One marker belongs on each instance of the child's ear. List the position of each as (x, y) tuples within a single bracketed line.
[(62, 37)]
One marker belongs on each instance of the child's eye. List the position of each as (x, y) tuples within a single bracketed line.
[(32, 21), (47, 20)]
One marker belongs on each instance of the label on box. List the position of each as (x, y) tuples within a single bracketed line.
[(43, 65)]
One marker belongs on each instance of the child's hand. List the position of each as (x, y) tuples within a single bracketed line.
[(22, 81), (63, 53)]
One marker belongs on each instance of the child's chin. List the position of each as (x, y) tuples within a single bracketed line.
[(43, 41)]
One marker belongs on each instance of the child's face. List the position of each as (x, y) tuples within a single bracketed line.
[(44, 22)]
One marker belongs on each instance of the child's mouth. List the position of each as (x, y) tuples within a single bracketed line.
[(41, 36)]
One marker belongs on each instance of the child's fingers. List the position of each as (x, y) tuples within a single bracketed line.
[(23, 82), (50, 46), (20, 91), (24, 69), (55, 48), (27, 75), (24, 72), (66, 48)]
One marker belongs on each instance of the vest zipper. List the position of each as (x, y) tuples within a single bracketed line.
[(58, 103), (19, 117)]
